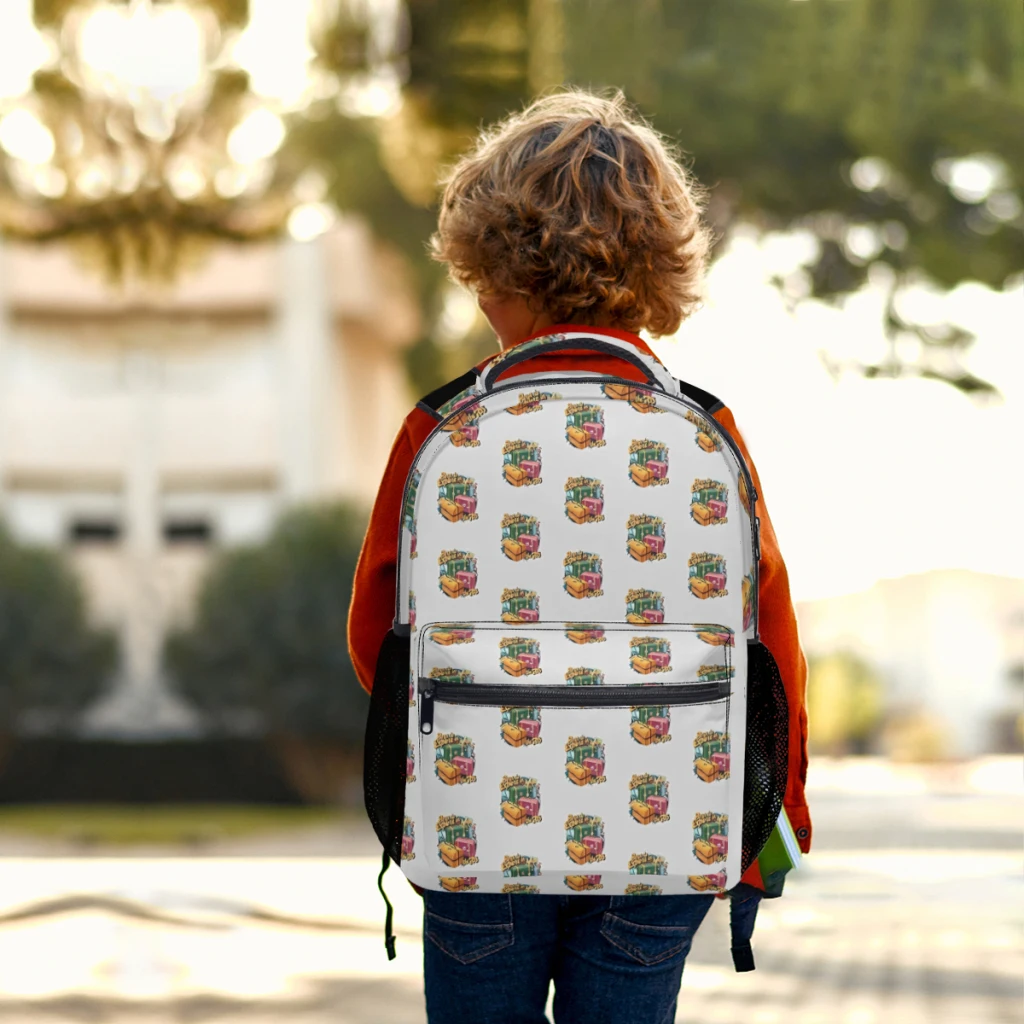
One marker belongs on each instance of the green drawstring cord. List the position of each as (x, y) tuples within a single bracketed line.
[(389, 935)]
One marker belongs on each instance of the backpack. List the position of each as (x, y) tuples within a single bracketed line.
[(574, 697)]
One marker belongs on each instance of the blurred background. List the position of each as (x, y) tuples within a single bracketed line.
[(215, 309)]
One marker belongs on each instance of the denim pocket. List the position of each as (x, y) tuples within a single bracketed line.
[(468, 928), (654, 930)]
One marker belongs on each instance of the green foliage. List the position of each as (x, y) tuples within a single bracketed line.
[(52, 663), (269, 635)]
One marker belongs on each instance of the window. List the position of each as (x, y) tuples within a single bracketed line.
[(94, 531), (188, 531)]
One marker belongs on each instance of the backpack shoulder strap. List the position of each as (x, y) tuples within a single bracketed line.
[(704, 399), (433, 403)]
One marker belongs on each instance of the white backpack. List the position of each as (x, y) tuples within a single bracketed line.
[(574, 698)]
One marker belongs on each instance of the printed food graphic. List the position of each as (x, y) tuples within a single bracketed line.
[(584, 500), (456, 840), (583, 575), (518, 605), (454, 759), (584, 633), (456, 497), (584, 425), (648, 463), (450, 884), (462, 428), (583, 883), (584, 764), (408, 839), (518, 865), (709, 502), (458, 574), (584, 838), (410, 762), (520, 727), (645, 607), (645, 538), (648, 799), (452, 633), (650, 654), (640, 400), (747, 585), (581, 676), (521, 465), (707, 438), (711, 756), (710, 836), (520, 800), (409, 510), (642, 889), (519, 656), (520, 537), (717, 636), (531, 402), (647, 864), (715, 882), (707, 575), (650, 723)]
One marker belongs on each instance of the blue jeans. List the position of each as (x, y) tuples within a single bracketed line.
[(488, 959)]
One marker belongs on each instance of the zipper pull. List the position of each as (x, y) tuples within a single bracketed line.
[(426, 706), (757, 534)]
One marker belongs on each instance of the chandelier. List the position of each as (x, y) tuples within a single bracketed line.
[(140, 132)]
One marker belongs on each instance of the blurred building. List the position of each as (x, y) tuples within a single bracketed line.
[(143, 430), (948, 644)]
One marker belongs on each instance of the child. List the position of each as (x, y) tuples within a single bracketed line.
[(573, 212)]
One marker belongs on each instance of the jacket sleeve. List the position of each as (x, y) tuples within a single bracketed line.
[(778, 628), (373, 591)]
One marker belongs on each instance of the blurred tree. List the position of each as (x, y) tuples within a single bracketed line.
[(844, 704), (267, 647), (52, 663)]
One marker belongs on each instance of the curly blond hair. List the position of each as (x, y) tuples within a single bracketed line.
[(577, 204)]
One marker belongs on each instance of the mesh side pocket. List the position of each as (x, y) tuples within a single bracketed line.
[(767, 758), (384, 751)]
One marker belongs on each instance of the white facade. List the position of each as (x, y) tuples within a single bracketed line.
[(141, 431)]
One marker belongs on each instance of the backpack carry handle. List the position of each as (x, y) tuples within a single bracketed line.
[(521, 353)]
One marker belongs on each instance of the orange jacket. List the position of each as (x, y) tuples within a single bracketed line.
[(373, 594)]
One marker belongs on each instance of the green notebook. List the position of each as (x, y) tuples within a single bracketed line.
[(782, 852)]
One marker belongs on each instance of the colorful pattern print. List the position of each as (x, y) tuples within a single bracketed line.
[(648, 463), (645, 538), (648, 799), (583, 575), (581, 676), (451, 675), (711, 755), (584, 760), (412, 612), (650, 723), (641, 889), (452, 633), (715, 882), (518, 605), (583, 883), (409, 510), (647, 864), (640, 400), (744, 494), (747, 584), (454, 759), (707, 439), (408, 839), (456, 840), (649, 654), (584, 838), (520, 889), (717, 636), (520, 800), (461, 884), (462, 427), (518, 865), (709, 502), (456, 497), (584, 633), (707, 575), (584, 425), (533, 401), (410, 762), (520, 537), (521, 463), (412, 689), (645, 607), (520, 726), (710, 836), (519, 656), (584, 500), (457, 574)]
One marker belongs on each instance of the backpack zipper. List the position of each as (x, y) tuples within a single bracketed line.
[(484, 695)]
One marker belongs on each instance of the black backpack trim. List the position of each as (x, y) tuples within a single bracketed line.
[(445, 393), (704, 399)]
